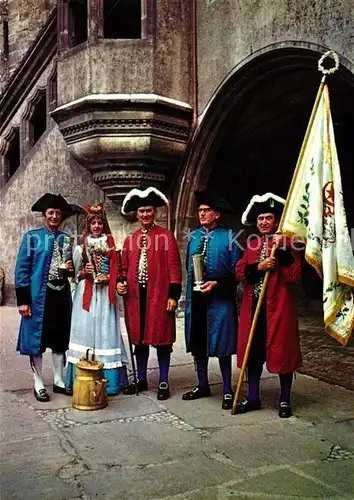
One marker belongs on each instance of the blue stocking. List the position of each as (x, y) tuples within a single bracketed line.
[(142, 358), (254, 377), (164, 359), (225, 368), (286, 380), (202, 370)]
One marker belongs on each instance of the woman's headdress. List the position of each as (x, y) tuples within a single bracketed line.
[(95, 210)]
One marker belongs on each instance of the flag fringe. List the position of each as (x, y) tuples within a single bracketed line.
[(315, 264), (340, 338), (345, 280), (330, 317)]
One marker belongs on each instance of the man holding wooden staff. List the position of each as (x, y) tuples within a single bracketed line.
[(276, 339)]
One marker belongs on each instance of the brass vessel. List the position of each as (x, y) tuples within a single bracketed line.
[(90, 387)]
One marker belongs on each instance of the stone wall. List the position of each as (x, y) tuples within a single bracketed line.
[(3, 56), (47, 167), (230, 32), (26, 18)]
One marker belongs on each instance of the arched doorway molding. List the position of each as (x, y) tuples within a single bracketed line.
[(248, 74)]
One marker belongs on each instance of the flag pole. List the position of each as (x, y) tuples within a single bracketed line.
[(266, 277), (325, 72)]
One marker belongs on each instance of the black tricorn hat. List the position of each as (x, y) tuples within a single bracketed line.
[(262, 204), (212, 200), (137, 198), (50, 200)]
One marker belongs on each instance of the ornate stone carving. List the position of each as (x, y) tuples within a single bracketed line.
[(128, 141)]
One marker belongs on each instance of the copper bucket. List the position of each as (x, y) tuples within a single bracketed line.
[(90, 388)]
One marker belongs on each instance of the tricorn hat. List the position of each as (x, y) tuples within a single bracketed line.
[(213, 200), (262, 204), (137, 198), (50, 200)]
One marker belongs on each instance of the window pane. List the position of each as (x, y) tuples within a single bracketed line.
[(122, 19), (77, 22)]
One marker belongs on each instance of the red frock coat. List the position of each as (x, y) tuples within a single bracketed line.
[(164, 268), (283, 353)]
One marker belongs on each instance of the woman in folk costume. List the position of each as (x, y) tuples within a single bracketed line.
[(95, 318), (151, 270), (43, 292), (276, 340)]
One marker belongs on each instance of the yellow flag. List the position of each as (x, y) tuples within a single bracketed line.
[(315, 211)]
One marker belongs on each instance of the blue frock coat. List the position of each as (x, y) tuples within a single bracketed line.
[(220, 260), (31, 277)]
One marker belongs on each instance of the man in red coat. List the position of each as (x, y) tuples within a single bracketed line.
[(276, 340), (151, 270)]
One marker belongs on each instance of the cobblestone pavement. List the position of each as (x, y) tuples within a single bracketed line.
[(323, 357)]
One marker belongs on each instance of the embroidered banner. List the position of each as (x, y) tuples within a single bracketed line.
[(316, 212)]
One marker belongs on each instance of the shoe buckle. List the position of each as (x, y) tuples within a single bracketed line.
[(163, 385)]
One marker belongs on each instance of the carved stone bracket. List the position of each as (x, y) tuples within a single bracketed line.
[(126, 141)]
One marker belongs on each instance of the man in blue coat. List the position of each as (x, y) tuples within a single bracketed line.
[(43, 292), (210, 317)]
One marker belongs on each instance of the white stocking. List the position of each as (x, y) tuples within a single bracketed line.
[(58, 367), (36, 365)]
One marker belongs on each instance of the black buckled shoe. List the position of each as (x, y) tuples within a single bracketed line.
[(245, 406), (131, 388), (42, 396), (163, 392), (227, 401), (62, 390), (196, 393), (284, 410)]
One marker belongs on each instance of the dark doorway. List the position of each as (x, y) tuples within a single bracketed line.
[(261, 141), (260, 144), (252, 134)]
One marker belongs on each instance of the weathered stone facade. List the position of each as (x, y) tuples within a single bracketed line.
[(230, 34), (25, 20), (209, 93)]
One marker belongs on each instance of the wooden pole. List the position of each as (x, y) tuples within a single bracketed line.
[(266, 277), (122, 279)]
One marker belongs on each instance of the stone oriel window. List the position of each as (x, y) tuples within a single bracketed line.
[(77, 22), (122, 19), (82, 20)]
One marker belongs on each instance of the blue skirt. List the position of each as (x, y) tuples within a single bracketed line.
[(117, 379)]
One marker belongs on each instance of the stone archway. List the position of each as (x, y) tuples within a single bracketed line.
[(251, 133)]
